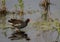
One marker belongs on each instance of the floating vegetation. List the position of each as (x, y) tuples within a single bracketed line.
[(47, 23)]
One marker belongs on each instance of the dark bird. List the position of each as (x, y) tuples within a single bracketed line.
[(16, 21)]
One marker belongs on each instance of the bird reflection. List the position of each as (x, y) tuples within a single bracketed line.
[(19, 35)]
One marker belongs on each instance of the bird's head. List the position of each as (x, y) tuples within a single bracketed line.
[(28, 20)]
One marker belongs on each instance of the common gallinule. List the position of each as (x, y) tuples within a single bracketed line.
[(22, 23)]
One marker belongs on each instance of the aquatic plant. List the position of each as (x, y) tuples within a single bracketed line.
[(21, 5), (47, 23)]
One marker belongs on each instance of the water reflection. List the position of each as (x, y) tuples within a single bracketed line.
[(6, 32)]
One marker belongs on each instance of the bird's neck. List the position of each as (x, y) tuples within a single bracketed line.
[(26, 22)]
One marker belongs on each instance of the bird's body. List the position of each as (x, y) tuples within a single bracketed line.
[(22, 23)]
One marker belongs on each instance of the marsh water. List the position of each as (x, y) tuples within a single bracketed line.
[(35, 36)]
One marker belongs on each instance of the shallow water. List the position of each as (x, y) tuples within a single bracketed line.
[(32, 33)]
